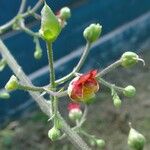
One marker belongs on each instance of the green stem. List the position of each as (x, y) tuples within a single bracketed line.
[(52, 80), (78, 66), (28, 31), (51, 65), (30, 88), (110, 85), (73, 137), (109, 68)]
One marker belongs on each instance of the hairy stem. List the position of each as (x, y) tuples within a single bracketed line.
[(110, 85), (109, 68), (78, 66), (52, 80)]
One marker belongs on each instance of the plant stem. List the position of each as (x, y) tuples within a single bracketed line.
[(110, 85), (109, 68), (78, 66), (28, 31), (73, 137), (9, 24), (52, 80)]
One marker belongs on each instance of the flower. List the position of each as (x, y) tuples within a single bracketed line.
[(84, 87), (50, 26), (75, 112)]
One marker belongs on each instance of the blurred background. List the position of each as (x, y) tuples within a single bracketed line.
[(126, 27)]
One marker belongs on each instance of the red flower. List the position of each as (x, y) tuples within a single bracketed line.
[(75, 112), (84, 87), (72, 106)]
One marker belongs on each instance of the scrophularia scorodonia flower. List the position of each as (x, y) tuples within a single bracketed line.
[(83, 88)]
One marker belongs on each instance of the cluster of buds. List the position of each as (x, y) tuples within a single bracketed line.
[(75, 112), (83, 88)]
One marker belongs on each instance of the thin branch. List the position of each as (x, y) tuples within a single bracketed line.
[(74, 138), (34, 9), (9, 24), (22, 6), (110, 85), (78, 66), (28, 31), (109, 68)]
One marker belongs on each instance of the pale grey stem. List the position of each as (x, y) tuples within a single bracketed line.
[(77, 67), (109, 68), (45, 106), (8, 25), (22, 6)]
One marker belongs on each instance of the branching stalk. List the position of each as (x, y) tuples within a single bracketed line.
[(74, 138)]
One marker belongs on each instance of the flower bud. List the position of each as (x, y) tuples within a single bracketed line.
[(12, 84), (117, 102), (54, 134), (4, 95), (50, 27), (75, 112), (129, 59), (65, 13), (84, 87), (38, 49), (100, 143), (92, 32), (129, 91), (136, 140), (37, 54)]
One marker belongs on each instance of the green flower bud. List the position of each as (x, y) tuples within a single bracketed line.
[(100, 143), (129, 59), (4, 95), (117, 102), (54, 134), (50, 26), (129, 91), (136, 140), (92, 32), (65, 13), (12, 84), (37, 54), (38, 49)]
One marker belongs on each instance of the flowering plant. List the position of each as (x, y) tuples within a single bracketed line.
[(83, 87)]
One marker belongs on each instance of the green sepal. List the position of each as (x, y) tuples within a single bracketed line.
[(50, 26)]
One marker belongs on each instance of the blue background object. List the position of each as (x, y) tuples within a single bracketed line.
[(126, 24)]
